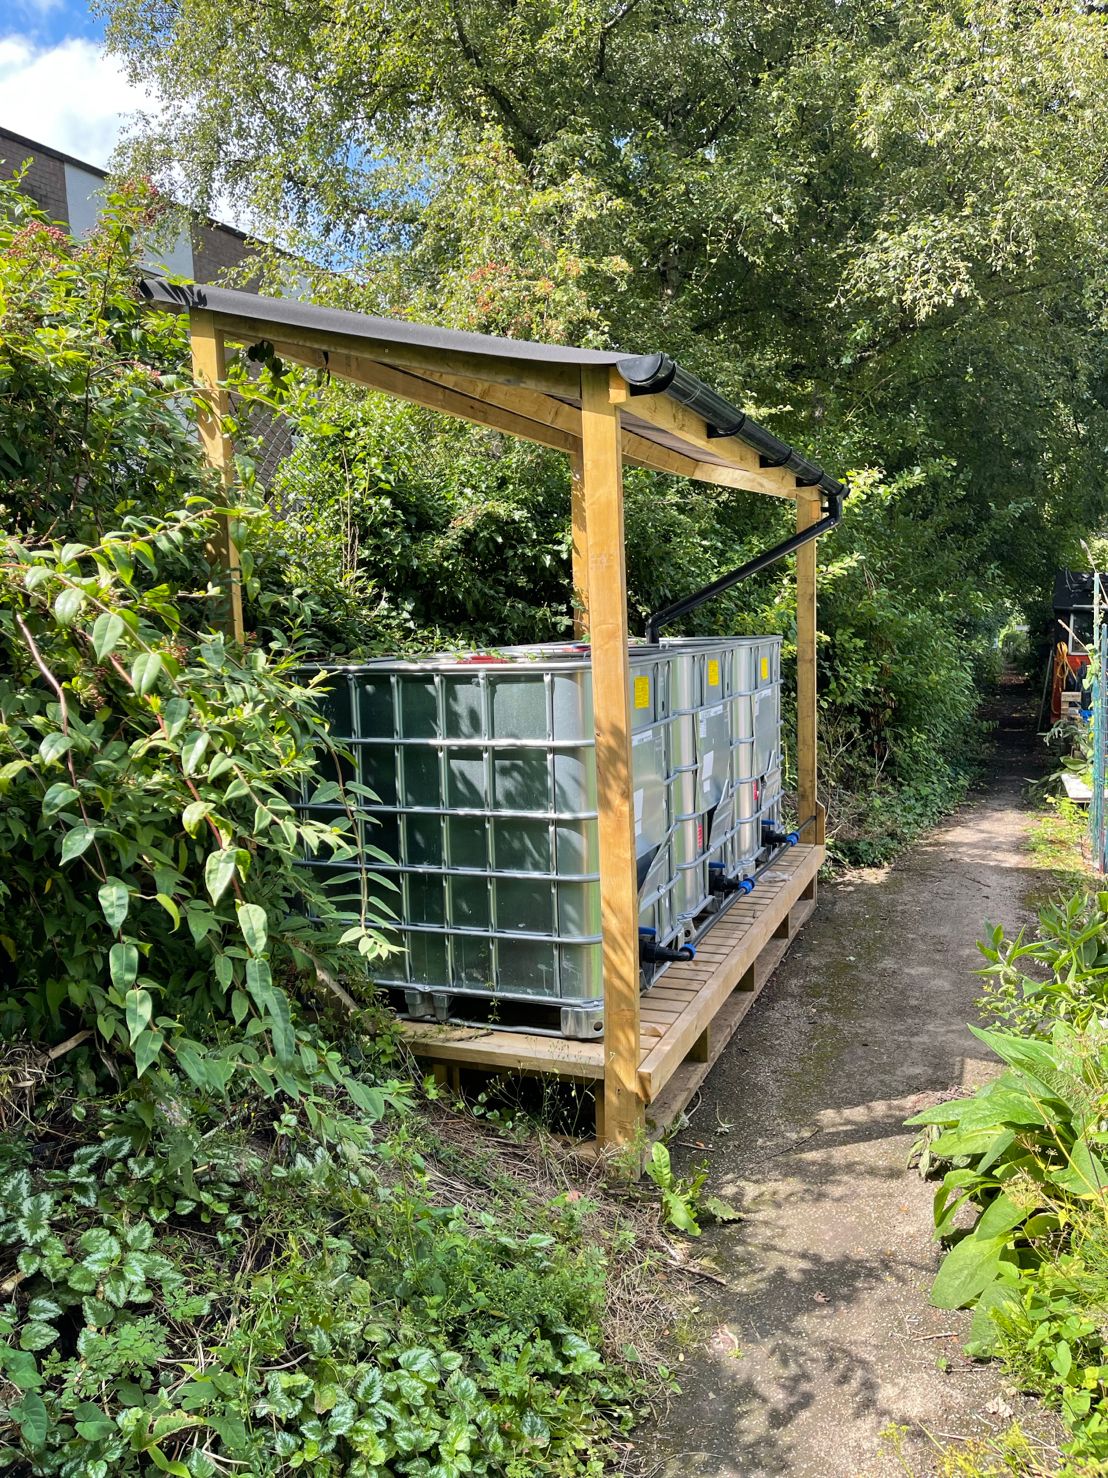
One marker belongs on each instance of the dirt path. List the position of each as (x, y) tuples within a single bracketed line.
[(824, 1335)]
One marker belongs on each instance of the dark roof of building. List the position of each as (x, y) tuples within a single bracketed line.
[(644, 374), (1073, 590)]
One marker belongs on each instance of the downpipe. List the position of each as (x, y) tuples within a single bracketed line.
[(832, 516)]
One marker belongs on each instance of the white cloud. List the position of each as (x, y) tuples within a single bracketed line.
[(69, 96)]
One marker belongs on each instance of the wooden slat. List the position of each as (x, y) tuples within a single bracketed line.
[(209, 367), (679, 1091), (747, 943), (602, 480)]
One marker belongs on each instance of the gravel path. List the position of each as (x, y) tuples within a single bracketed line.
[(824, 1334)]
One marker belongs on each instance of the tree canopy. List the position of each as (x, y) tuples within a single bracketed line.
[(879, 227)]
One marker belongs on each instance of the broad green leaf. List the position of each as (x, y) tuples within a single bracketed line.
[(123, 962), (175, 715), (68, 605), (170, 907), (254, 923), (57, 797), (53, 747), (219, 869), (192, 817), (76, 841), (140, 1008), (192, 751), (30, 1413), (106, 632), (36, 1335), (147, 1047), (144, 671), (115, 900), (967, 1270)]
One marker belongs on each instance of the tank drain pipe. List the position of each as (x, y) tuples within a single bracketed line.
[(652, 953), (832, 515)]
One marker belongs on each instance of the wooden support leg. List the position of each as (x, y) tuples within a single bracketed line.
[(699, 1050), (580, 547), (807, 721), (784, 928), (746, 980), (809, 892), (601, 1127), (602, 485), (209, 367)]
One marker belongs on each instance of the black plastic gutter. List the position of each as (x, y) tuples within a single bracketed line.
[(655, 374), (833, 512)]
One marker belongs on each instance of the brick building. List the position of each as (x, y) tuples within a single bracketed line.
[(70, 191)]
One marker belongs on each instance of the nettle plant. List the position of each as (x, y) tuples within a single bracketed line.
[(150, 900)]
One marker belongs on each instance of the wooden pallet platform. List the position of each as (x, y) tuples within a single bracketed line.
[(686, 1019)]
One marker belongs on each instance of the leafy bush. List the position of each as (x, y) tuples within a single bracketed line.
[(1069, 955), (94, 392), (202, 1294), (151, 893), (1028, 1159)]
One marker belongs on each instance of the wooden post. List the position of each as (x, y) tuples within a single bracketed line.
[(580, 547), (807, 718), (602, 486), (209, 366)]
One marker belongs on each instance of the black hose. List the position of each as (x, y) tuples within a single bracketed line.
[(668, 614)]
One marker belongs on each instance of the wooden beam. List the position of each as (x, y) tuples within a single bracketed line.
[(748, 482), (602, 483), (679, 420), (427, 392), (545, 409), (807, 713), (547, 378), (209, 367), (580, 535)]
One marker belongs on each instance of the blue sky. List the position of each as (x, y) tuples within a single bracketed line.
[(56, 86)]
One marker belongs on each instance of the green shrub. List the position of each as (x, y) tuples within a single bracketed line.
[(1026, 1157), (1069, 957), (151, 891), (213, 1294)]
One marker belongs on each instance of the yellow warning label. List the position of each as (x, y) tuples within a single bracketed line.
[(713, 673), (642, 692), (765, 669)]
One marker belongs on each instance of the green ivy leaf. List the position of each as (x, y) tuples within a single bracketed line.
[(115, 900), (193, 750), (99, 1249), (35, 1335), (175, 715), (68, 605), (53, 747), (57, 798), (30, 1413), (192, 817)]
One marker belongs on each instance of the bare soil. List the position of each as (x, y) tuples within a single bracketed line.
[(823, 1335)]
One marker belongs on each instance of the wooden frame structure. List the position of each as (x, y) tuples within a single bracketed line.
[(582, 403)]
